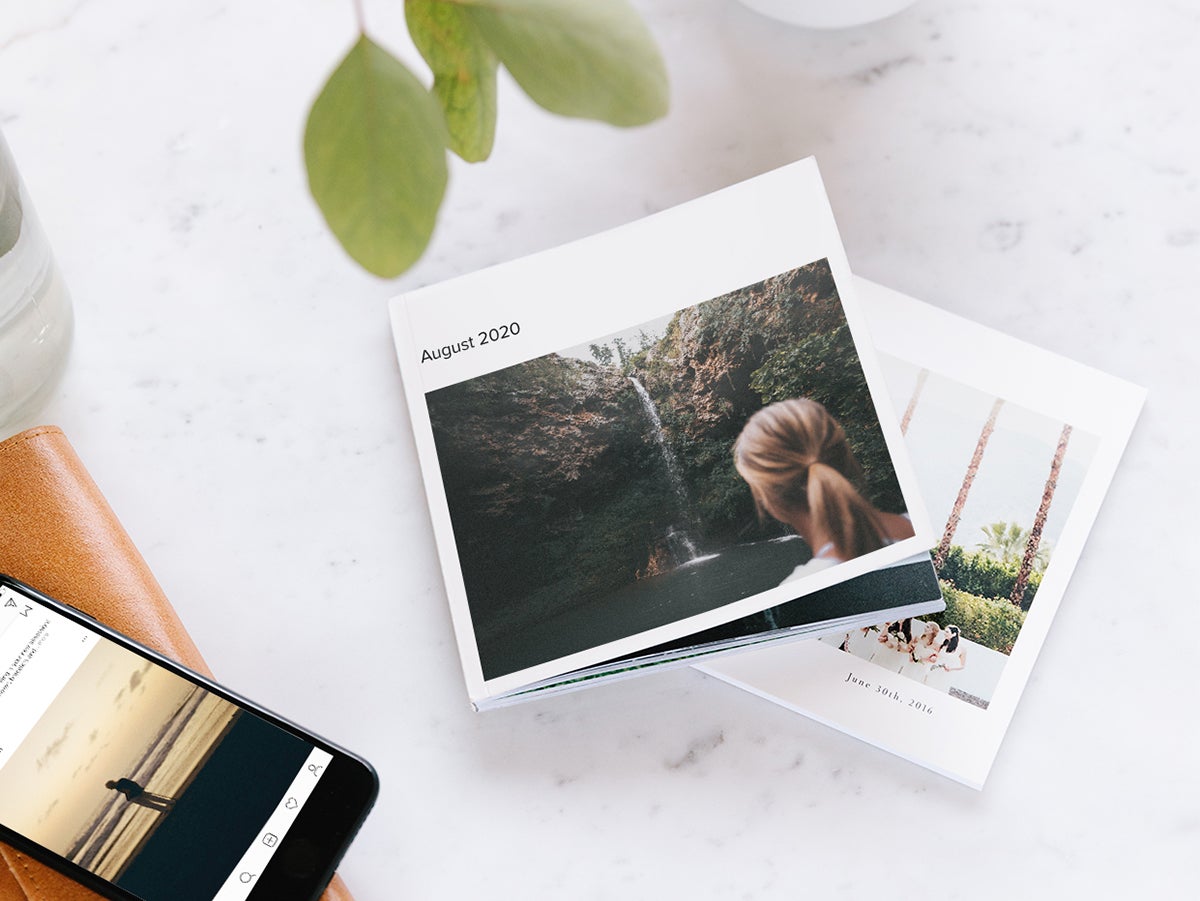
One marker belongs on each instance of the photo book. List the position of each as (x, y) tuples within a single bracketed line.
[(661, 443), (1014, 449)]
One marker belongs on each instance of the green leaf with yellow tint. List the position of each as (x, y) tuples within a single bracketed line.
[(593, 59), (464, 73), (375, 150)]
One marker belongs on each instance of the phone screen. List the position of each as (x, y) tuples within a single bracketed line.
[(135, 773)]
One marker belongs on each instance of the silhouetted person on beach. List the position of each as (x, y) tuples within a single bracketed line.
[(135, 794)]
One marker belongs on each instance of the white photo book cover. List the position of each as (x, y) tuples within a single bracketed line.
[(1014, 449), (577, 416)]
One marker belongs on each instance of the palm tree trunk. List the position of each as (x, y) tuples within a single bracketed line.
[(1039, 521), (912, 401), (959, 502)]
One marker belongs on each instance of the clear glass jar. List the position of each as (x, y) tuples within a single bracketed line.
[(35, 309)]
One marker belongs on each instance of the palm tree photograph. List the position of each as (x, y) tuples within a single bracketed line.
[(1000, 480)]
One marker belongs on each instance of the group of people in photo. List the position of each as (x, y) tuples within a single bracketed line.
[(935, 647), (910, 646)]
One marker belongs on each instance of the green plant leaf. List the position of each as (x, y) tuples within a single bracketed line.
[(464, 73), (375, 149), (593, 59)]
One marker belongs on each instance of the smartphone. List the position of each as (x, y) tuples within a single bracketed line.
[(147, 782)]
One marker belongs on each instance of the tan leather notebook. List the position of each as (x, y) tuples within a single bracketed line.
[(58, 534)]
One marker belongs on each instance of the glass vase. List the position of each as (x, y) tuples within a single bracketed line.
[(35, 309), (828, 13)]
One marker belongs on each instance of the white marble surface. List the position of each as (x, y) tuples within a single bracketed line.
[(234, 392)]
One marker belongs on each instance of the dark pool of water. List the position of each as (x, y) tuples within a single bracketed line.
[(697, 587)]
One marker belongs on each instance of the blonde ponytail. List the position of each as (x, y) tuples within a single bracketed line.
[(852, 523), (795, 458)]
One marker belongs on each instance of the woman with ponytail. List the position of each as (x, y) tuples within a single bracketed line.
[(801, 471)]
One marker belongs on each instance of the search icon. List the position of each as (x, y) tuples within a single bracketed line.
[(315, 768), (247, 877)]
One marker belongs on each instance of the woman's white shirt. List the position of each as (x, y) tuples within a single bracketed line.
[(814, 565)]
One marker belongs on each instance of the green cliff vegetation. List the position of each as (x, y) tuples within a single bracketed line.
[(554, 491)]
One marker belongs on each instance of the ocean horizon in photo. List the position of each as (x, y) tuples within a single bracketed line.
[(169, 762)]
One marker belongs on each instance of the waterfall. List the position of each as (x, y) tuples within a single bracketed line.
[(680, 543)]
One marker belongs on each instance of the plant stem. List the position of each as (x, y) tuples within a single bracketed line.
[(360, 17)]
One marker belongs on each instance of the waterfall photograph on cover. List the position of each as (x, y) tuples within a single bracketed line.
[(593, 493)]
